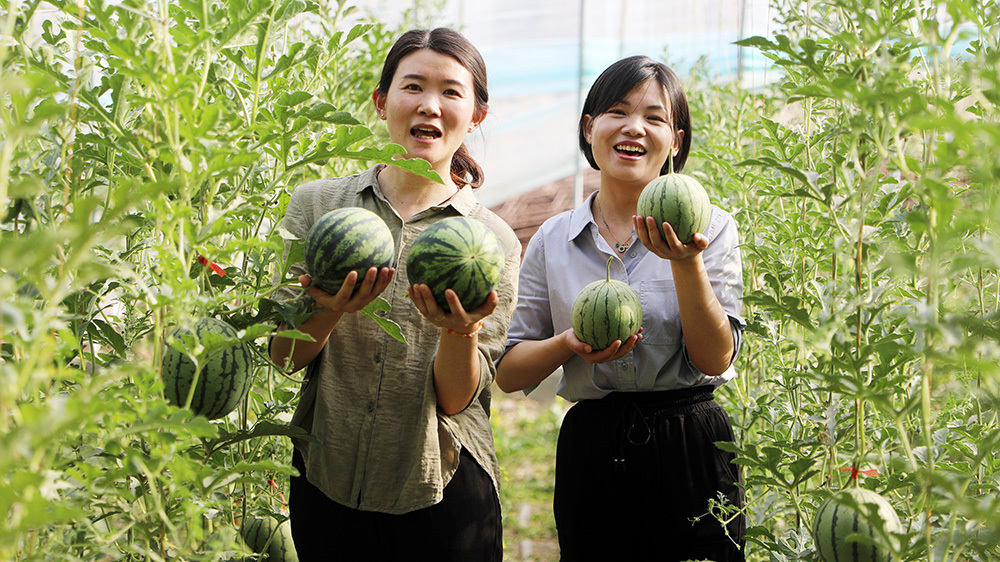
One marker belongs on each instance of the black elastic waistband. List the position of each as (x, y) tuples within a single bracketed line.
[(663, 398)]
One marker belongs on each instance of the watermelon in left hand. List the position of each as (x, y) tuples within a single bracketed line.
[(678, 199), (460, 254)]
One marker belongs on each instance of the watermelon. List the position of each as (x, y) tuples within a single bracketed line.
[(345, 240), (225, 375), (270, 539), (678, 199), (460, 254), (605, 311), (849, 514)]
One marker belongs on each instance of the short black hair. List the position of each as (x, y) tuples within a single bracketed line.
[(614, 85)]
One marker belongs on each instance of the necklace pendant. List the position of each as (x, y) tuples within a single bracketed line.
[(621, 249)]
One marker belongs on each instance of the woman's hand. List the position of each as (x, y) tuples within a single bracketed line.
[(374, 282), (616, 350), (459, 320), (668, 246)]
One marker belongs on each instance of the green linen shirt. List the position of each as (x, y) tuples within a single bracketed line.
[(368, 399)]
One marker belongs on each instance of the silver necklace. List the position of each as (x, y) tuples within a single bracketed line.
[(620, 247)]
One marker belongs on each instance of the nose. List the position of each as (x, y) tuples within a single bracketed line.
[(634, 126), (429, 106)]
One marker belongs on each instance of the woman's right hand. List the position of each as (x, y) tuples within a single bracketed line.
[(616, 350), (343, 301)]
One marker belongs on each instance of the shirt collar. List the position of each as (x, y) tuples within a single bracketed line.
[(581, 217), (464, 201)]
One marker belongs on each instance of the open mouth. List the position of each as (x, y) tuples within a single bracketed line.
[(630, 149), (426, 133)]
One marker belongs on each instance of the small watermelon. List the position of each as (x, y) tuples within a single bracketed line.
[(345, 240), (460, 254), (272, 540), (225, 375), (678, 199), (850, 513), (606, 311)]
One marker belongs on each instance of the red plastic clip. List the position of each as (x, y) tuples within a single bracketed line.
[(855, 472), (281, 496), (213, 266)]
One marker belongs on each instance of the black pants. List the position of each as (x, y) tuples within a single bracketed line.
[(464, 526), (634, 476)]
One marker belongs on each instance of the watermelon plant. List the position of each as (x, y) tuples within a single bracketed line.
[(678, 199), (605, 311), (346, 240), (148, 152), (855, 525), (206, 368), (460, 254)]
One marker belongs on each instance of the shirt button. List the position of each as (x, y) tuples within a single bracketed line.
[(631, 254), (378, 357), (371, 406)]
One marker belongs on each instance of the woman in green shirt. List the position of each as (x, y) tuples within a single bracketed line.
[(403, 465)]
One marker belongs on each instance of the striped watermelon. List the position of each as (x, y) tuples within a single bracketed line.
[(606, 311), (345, 240), (272, 540), (853, 525), (460, 254), (225, 375), (678, 199)]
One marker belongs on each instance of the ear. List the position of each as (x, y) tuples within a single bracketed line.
[(588, 128), (678, 137), (477, 119), (378, 100)]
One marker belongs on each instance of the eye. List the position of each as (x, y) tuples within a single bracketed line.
[(616, 111), (452, 92), (412, 87)]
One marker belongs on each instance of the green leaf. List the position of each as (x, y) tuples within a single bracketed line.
[(390, 327), (261, 429)]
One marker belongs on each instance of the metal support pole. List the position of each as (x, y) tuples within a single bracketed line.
[(578, 175)]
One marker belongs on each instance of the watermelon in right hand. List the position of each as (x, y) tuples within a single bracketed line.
[(345, 240)]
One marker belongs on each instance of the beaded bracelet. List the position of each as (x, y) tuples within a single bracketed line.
[(479, 326)]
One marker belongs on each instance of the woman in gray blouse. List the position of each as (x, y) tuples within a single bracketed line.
[(636, 465), (403, 466)]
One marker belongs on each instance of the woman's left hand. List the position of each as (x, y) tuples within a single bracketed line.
[(459, 320), (668, 247)]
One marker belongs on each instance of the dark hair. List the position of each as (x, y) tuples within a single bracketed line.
[(464, 169), (614, 84)]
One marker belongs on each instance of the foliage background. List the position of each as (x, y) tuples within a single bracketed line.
[(141, 136)]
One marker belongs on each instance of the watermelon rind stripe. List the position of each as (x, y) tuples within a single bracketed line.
[(605, 311), (839, 522), (456, 253), (345, 240), (223, 379), (678, 199)]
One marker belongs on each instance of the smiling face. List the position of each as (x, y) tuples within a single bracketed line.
[(633, 138), (429, 107)]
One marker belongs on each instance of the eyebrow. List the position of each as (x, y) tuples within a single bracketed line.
[(653, 106), (421, 77)]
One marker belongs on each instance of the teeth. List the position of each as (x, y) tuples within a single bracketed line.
[(630, 148), (422, 132)]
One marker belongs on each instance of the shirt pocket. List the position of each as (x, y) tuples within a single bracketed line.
[(661, 319)]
